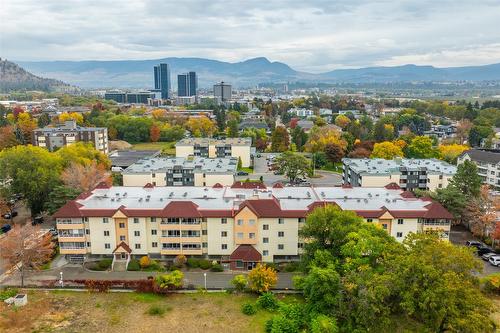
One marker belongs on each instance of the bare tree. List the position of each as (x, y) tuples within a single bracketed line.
[(26, 247), (84, 177)]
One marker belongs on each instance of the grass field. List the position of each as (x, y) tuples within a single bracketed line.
[(66, 311), (167, 148)]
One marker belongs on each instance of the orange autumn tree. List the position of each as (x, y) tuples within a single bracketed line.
[(84, 177), (481, 212), (26, 247), (154, 133)]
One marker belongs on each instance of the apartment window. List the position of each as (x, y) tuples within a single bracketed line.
[(87, 231), (224, 246), (88, 244), (223, 233), (136, 220), (137, 233), (384, 226), (85, 219), (281, 234), (154, 183), (204, 244), (440, 185), (107, 245), (121, 225), (251, 222), (251, 235), (300, 245), (281, 246), (400, 221), (265, 227), (137, 246), (440, 176), (106, 233), (105, 220), (239, 235), (399, 234), (240, 222), (302, 219), (122, 238), (265, 253), (281, 221), (369, 220), (265, 240), (154, 244), (153, 219), (153, 175), (223, 221), (204, 232), (154, 232), (239, 264)]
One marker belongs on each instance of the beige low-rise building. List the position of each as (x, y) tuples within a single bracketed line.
[(180, 171), (409, 174), (240, 225), (212, 148)]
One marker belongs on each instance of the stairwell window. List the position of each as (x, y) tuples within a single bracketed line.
[(399, 234), (154, 244), (224, 246), (154, 232), (105, 220), (136, 220), (137, 233), (121, 225), (137, 246), (106, 233), (107, 245), (400, 221), (153, 219), (223, 233), (122, 238), (223, 221), (281, 234), (265, 227), (281, 246), (240, 222), (281, 220)]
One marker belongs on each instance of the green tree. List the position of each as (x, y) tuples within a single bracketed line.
[(59, 196), (478, 133), (43, 120), (293, 165), (31, 171), (421, 147), (280, 140), (232, 128), (299, 137), (466, 180), (453, 199)]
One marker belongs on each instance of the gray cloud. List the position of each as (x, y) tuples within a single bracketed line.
[(317, 35)]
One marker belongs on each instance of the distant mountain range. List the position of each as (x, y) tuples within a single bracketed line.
[(14, 77), (139, 73)]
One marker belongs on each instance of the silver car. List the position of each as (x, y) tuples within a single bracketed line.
[(495, 260)]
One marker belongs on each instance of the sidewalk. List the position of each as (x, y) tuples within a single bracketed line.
[(214, 279)]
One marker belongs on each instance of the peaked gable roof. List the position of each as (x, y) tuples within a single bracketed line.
[(70, 209), (249, 185), (124, 246), (246, 252), (181, 209)]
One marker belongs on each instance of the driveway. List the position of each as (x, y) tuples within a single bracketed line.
[(326, 178), (459, 235), (215, 280)]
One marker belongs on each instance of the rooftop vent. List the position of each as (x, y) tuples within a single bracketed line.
[(140, 199), (185, 194)]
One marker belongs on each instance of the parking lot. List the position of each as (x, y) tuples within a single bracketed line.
[(324, 178), (459, 235)]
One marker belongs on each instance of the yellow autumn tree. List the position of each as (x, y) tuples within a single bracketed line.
[(159, 114), (201, 126), (67, 116), (450, 153), (342, 121), (26, 125), (262, 278), (386, 150), (319, 138)]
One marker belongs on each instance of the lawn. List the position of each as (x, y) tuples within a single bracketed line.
[(65, 311), (167, 148)]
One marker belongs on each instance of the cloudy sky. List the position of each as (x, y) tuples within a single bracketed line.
[(312, 35)]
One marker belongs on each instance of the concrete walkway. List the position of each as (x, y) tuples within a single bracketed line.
[(194, 278)]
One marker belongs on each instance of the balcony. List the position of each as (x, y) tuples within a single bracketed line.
[(73, 250), (69, 225), (176, 251), (72, 238)]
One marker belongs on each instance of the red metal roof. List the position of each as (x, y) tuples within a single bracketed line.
[(102, 185), (246, 252), (278, 185), (436, 211), (70, 209), (249, 185), (148, 185), (408, 194), (218, 185), (392, 186), (124, 246), (181, 209)]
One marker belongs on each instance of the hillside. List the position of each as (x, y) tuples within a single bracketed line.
[(14, 77), (139, 73)]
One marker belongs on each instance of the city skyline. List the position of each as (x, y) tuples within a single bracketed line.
[(316, 36)]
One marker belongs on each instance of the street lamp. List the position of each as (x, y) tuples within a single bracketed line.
[(205, 278), (61, 282)]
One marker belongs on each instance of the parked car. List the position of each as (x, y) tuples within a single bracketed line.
[(474, 243), (495, 260), (6, 228), (487, 256), (259, 155), (8, 216), (484, 250), (242, 173)]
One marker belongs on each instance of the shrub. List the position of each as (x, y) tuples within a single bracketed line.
[(7, 293), (180, 260), (145, 262), (105, 264), (239, 282), (324, 324), (155, 267), (291, 267), (133, 265), (272, 265), (193, 263), (268, 301), (248, 309), (205, 264), (280, 324), (157, 310), (217, 268), (491, 283), (169, 281), (262, 278)]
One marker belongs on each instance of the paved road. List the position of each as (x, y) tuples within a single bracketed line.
[(459, 235), (260, 169), (194, 278)]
